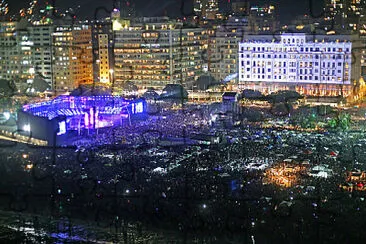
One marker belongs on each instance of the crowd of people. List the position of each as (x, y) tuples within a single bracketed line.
[(213, 191), (170, 125)]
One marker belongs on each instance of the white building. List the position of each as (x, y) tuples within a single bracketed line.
[(312, 65), (41, 36)]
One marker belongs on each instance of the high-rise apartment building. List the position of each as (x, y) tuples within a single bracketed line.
[(154, 52), (61, 55), (103, 50), (223, 47), (102, 39), (41, 37), (15, 53), (324, 66), (223, 44), (206, 9), (72, 58)]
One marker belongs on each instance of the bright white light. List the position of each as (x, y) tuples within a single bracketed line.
[(213, 118), (230, 77), (139, 107), (86, 119), (62, 128), (26, 127), (127, 191), (91, 116), (204, 206), (7, 115)]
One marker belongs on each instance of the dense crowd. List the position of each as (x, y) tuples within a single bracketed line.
[(171, 125), (204, 190)]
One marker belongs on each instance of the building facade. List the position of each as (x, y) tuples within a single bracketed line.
[(224, 43), (16, 62), (223, 47), (324, 66), (154, 52), (41, 36), (103, 51), (102, 39), (72, 57)]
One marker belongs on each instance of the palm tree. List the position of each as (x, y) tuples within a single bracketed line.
[(345, 121), (341, 122)]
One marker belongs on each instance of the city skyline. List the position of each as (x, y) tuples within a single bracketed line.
[(145, 123), (152, 51), (287, 9)]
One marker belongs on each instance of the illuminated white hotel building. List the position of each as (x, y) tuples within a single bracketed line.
[(320, 65)]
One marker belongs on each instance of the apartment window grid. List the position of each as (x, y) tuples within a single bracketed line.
[(281, 65)]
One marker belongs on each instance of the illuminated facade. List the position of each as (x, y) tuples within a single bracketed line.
[(102, 39), (41, 36), (104, 71), (59, 55), (223, 47), (16, 53), (154, 52), (72, 58), (206, 9), (295, 61)]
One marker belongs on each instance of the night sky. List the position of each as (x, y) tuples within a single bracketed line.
[(287, 9)]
